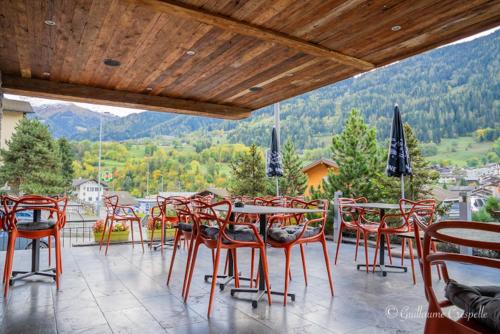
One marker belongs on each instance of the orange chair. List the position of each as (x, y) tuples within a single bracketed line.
[(437, 321), (422, 210), (44, 229), (217, 231), (119, 213), (354, 218), (157, 214), (303, 232)]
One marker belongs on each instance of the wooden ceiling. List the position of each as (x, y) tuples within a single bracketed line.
[(217, 58)]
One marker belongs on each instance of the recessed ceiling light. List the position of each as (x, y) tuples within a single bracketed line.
[(289, 74), (49, 22), (149, 89), (46, 74), (396, 28), (111, 62), (190, 52), (255, 89)]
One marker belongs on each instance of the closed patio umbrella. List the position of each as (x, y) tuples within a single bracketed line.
[(273, 166), (398, 161)]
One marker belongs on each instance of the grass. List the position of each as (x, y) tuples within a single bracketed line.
[(458, 150)]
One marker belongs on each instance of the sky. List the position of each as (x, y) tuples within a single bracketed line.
[(127, 111)]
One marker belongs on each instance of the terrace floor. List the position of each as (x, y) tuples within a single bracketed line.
[(125, 292)]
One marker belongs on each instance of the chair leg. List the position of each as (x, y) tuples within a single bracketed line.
[(58, 256), (403, 251), (152, 235), (162, 238), (338, 243), (438, 267), (213, 256), (236, 271), (266, 273), (377, 245), (388, 242), (365, 242), (7, 260), (49, 244), (191, 270), (252, 260), (132, 232), (174, 251), (302, 254), (103, 232), (327, 262), (186, 271), (10, 255), (287, 273), (109, 238), (357, 245), (226, 264), (410, 247), (140, 235), (214, 280)]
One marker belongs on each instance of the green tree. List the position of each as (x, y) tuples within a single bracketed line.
[(248, 174), (31, 163), (67, 156), (294, 181), (355, 151)]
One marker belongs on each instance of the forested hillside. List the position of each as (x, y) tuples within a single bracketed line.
[(447, 92)]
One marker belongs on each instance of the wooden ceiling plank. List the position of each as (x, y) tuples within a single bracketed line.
[(161, 75), (93, 24), (87, 94), (276, 56), (8, 46), (239, 27), (23, 39), (202, 76), (208, 47)]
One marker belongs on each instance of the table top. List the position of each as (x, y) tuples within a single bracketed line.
[(264, 210), (385, 206), (461, 233)]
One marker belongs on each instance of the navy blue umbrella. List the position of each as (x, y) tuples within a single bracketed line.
[(273, 166), (398, 162)]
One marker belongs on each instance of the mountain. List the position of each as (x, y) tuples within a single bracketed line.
[(69, 120), (447, 92)]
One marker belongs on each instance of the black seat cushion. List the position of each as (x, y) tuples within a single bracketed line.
[(30, 226), (291, 233), (185, 227), (238, 233), (481, 303)]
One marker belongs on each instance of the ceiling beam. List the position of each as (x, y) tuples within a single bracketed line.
[(242, 28), (86, 94)]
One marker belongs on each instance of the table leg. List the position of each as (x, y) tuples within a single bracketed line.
[(261, 290)]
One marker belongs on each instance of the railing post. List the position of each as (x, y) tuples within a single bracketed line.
[(465, 214), (336, 215)]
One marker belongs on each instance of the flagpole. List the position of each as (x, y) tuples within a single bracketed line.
[(277, 126)]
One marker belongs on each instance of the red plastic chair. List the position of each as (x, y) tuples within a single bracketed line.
[(217, 231), (303, 232), (354, 218), (52, 228), (157, 214), (439, 322), (119, 213), (422, 210)]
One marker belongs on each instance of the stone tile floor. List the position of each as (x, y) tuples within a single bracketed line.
[(125, 292)]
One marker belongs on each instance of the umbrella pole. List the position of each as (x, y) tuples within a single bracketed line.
[(402, 186), (277, 187)]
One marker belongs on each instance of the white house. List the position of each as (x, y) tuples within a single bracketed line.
[(88, 190)]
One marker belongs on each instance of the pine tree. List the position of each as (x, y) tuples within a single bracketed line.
[(355, 151), (67, 156), (248, 174), (31, 163), (294, 181)]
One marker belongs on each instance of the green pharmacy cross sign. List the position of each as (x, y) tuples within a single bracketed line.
[(107, 176)]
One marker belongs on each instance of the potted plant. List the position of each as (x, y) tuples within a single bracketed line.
[(120, 231)]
